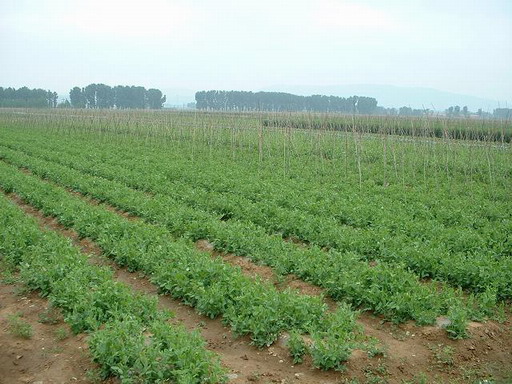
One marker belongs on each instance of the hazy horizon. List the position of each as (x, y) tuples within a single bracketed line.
[(459, 47)]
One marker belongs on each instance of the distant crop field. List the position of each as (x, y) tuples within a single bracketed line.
[(311, 247)]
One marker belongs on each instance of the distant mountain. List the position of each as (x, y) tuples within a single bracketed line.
[(392, 96)]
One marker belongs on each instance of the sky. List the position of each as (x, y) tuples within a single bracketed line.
[(456, 46)]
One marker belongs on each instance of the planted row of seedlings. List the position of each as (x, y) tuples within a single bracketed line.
[(385, 289), (250, 307), (478, 272), (128, 336)]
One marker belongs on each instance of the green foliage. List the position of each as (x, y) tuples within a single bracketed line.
[(297, 347), (104, 96), (454, 129), (21, 290), (155, 99), (394, 292), (8, 274), (374, 348), (19, 327), (443, 354), (376, 374), (249, 306), (94, 376), (332, 344), (61, 334), (154, 353), (327, 354), (50, 315), (409, 229), (27, 98), (420, 378), (8, 277), (91, 301), (279, 101), (457, 329)]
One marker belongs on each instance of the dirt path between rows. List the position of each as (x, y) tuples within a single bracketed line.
[(51, 355)]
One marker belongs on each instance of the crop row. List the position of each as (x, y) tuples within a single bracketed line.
[(214, 288), (476, 272), (129, 337), (386, 289)]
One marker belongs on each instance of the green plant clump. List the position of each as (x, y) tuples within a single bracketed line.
[(19, 327)]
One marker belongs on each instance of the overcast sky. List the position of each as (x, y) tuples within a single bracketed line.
[(457, 46)]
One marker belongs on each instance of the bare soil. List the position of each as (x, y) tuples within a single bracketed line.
[(411, 352), (42, 358)]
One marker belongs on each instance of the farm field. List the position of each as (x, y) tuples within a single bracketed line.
[(199, 247)]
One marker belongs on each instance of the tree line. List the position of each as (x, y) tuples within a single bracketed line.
[(27, 98), (498, 113), (503, 113), (280, 101), (452, 112), (104, 96)]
